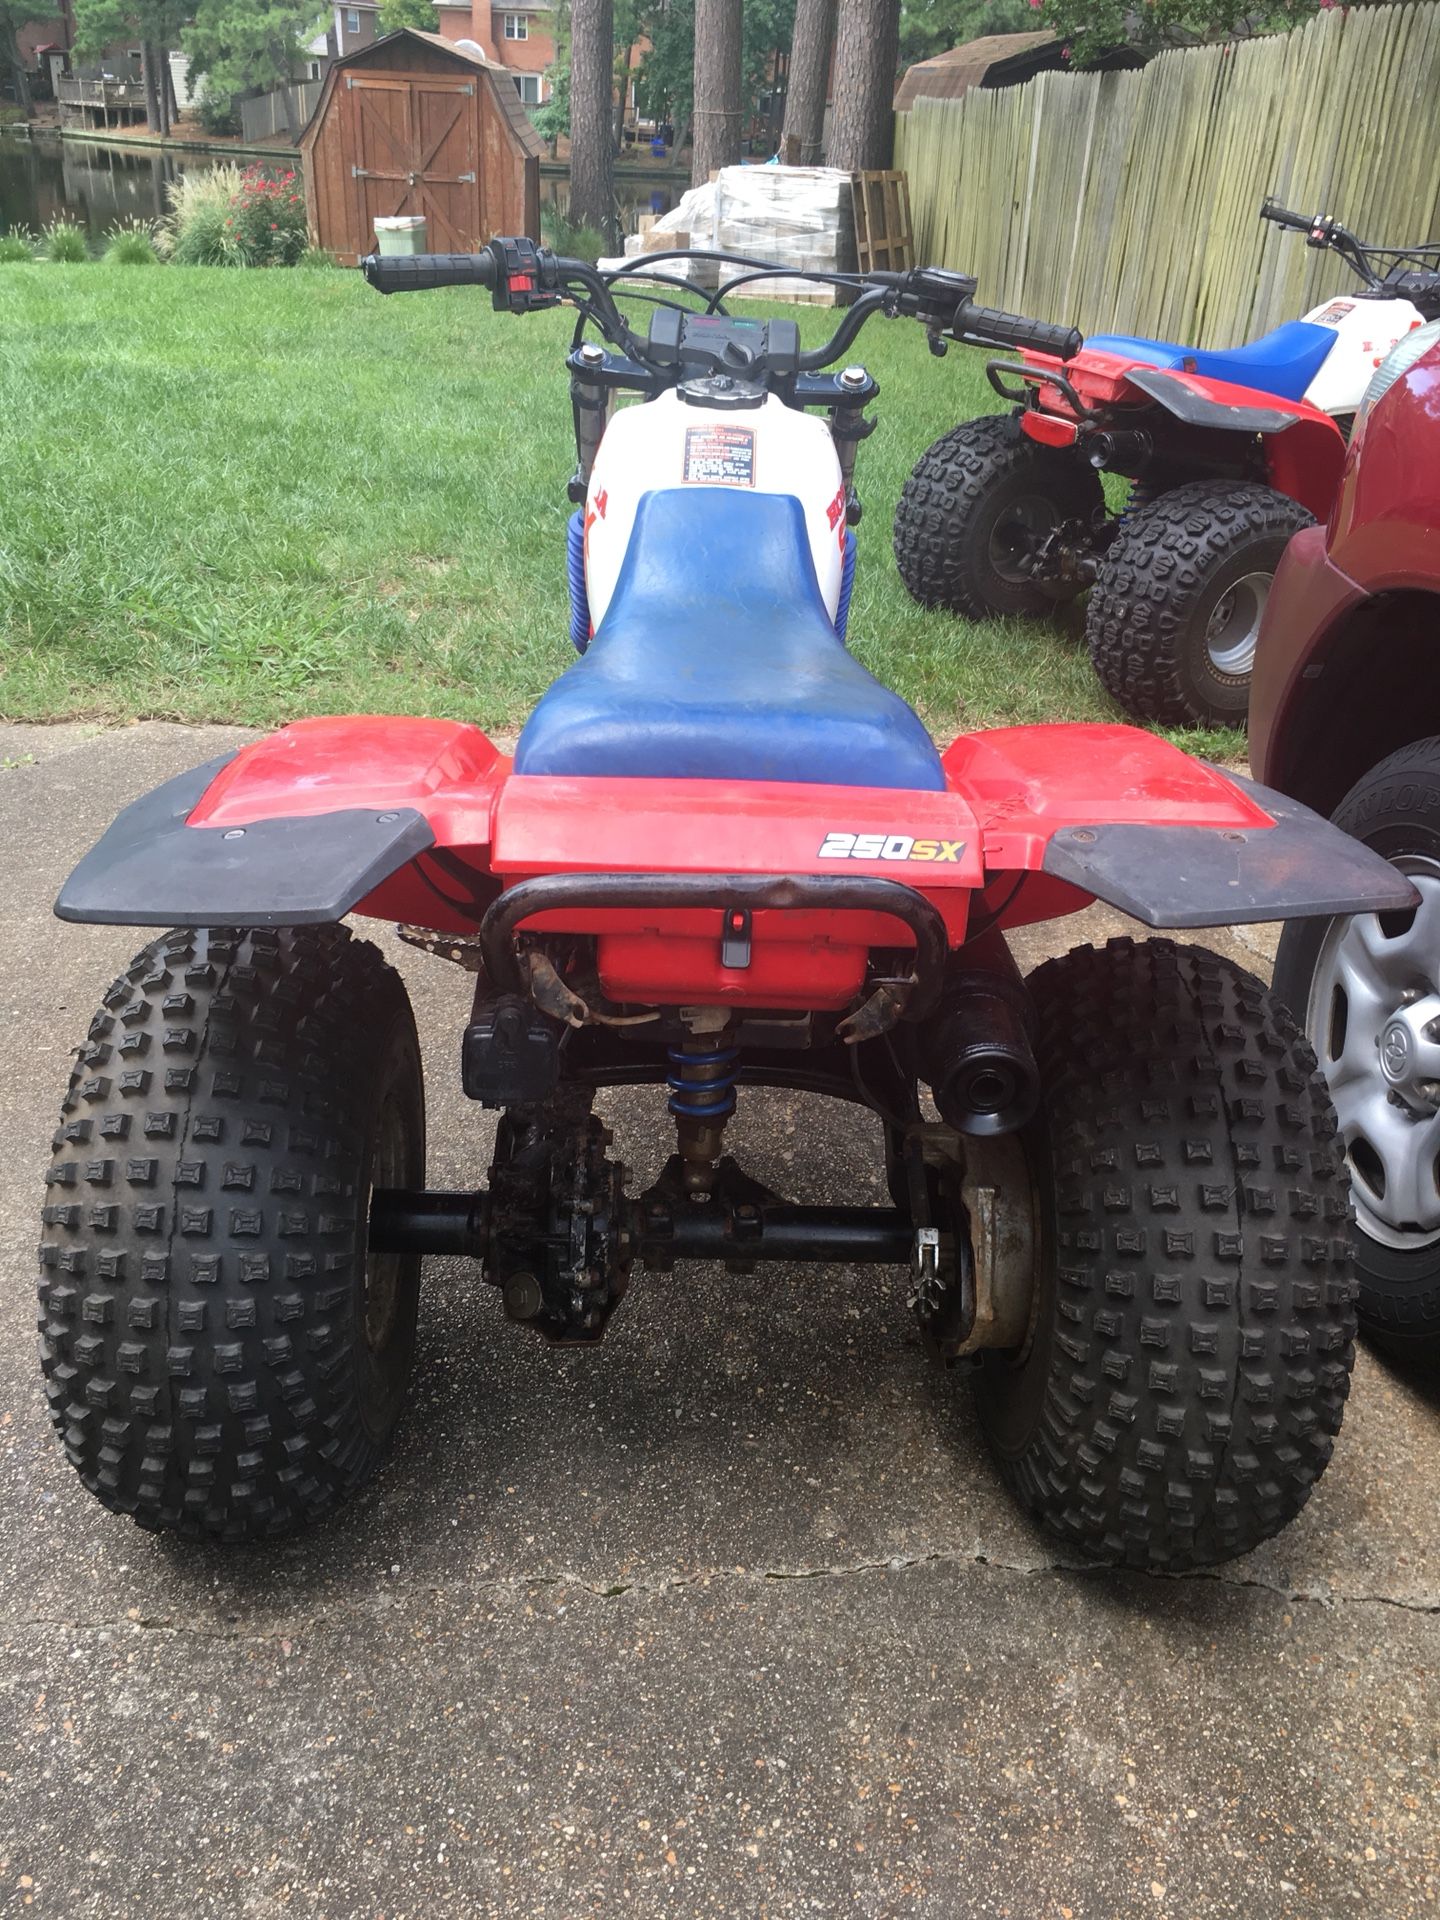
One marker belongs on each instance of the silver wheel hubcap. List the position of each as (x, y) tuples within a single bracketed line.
[(1374, 1017), (1231, 631)]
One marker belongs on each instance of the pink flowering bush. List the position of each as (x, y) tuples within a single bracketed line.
[(267, 220), (225, 218)]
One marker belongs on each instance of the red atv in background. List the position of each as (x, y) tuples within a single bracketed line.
[(1229, 454)]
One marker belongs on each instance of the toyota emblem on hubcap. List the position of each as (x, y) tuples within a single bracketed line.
[(1395, 1052)]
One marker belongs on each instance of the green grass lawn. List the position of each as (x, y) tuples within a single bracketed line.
[(250, 496)]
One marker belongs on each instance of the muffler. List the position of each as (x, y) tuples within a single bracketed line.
[(975, 1054)]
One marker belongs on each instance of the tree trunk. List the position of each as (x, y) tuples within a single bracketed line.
[(592, 132), (172, 104), (809, 80), (862, 126), (152, 92), (718, 111)]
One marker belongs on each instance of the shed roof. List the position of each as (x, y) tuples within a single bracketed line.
[(945, 76), (505, 93)]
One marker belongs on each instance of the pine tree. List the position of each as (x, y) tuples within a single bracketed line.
[(719, 58), (809, 80), (240, 45), (592, 132), (863, 122)]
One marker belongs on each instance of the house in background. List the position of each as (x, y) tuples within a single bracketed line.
[(520, 37), (346, 30)]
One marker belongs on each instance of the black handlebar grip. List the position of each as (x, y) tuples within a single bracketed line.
[(1014, 330), (418, 272), (1283, 217)]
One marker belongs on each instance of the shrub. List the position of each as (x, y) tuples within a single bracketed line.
[(132, 246), (225, 218), (563, 236), (218, 112), (317, 257), (62, 240), (267, 220), (15, 246), (193, 232)]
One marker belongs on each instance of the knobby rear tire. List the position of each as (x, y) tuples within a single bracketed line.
[(960, 490), (1171, 563), (1193, 1329), (222, 1358)]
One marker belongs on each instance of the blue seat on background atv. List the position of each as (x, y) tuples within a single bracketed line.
[(716, 659), (1283, 361)]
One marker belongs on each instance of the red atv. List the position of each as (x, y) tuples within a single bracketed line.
[(1228, 453), (723, 858)]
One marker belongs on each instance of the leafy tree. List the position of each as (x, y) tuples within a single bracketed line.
[(665, 85), (14, 15), (928, 27), (156, 24), (239, 45), (395, 14), (1092, 28), (553, 118)]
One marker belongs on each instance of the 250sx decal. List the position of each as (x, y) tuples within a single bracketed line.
[(887, 846)]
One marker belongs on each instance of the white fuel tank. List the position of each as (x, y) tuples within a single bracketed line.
[(667, 442), (1365, 331)]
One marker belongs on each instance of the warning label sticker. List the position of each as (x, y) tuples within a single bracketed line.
[(1333, 314), (717, 456)]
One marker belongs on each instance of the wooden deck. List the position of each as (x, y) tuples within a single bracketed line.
[(105, 103)]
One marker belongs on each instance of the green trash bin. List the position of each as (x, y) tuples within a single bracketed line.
[(401, 233)]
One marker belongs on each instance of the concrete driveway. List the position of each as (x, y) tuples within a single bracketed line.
[(730, 1617)]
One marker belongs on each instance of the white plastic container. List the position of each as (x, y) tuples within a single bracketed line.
[(401, 233)]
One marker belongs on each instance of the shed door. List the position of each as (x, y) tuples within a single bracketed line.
[(415, 145)]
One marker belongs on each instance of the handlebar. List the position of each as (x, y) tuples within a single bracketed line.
[(419, 272), (987, 327), (1282, 217), (1369, 261), (522, 276)]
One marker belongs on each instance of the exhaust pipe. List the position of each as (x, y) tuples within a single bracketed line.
[(1121, 450), (976, 1056)]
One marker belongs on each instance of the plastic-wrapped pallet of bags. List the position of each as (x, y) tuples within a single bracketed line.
[(798, 217), (692, 219)]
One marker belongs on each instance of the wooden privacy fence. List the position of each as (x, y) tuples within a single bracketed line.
[(265, 116), (1129, 200)]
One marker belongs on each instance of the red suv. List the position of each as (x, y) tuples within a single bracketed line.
[(1345, 715)]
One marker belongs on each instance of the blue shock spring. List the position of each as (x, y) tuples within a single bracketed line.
[(702, 1085), (575, 571), (847, 584), (1140, 495)]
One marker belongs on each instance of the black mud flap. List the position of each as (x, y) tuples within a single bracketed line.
[(1200, 410), (150, 870), (1301, 868)]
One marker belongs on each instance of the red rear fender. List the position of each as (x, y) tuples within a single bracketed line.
[(445, 769)]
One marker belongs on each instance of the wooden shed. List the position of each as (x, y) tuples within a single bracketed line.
[(411, 124)]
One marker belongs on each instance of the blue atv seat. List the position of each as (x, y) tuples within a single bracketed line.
[(1283, 361), (716, 660)]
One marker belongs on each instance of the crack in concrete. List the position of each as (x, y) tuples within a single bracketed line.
[(377, 1607)]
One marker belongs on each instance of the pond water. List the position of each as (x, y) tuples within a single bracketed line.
[(45, 178)]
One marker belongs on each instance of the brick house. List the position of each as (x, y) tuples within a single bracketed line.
[(518, 36)]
